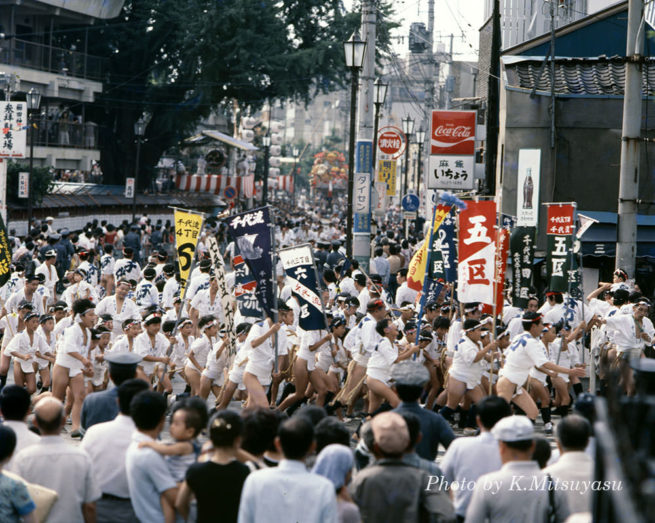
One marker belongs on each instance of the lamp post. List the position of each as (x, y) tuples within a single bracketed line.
[(408, 130), (139, 131), (296, 153), (354, 50), (420, 140), (33, 101), (266, 142), (379, 95)]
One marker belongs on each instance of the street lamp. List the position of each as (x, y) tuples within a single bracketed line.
[(420, 140), (408, 130), (354, 50), (296, 154), (266, 142), (139, 131), (379, 95), (33, 99)]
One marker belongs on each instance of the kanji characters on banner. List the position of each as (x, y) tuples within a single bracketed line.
[(5, 254), (13, 135), (187, 231), (251, 232), (244, 289), (477, 249), (502, 248), (522, 242), (416, 273), (298, 264), (444, 260), (560, 229), (226, 301)]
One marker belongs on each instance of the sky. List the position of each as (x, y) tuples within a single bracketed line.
[(461, 18)]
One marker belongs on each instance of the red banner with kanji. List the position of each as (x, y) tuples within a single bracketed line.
[(560, 219), (476, 252), (502, 248)]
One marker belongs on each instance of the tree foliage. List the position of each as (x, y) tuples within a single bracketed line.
[(181, 60), (42, 182)]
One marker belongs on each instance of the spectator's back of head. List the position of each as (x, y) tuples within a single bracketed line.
[(147, 409), (492, 409), (127, 390), (330, 430), (225, 428), (573, 433), (542, 452), (313, 413), (259, 430), (14, 403), (296, 436), (7, 443), (49, 416)]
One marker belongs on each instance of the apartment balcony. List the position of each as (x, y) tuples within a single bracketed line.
[(56, 133), (50, 59)]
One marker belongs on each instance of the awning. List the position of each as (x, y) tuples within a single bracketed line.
[(221, 137), (225, 186), (600, 238)]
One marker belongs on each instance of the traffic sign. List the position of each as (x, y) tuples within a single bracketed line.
[(230, 192), (410, 203)]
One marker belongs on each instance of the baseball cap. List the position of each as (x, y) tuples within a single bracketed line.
[(513, 428), (410, 373)]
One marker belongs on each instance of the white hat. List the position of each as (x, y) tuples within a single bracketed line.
[(513, 428)]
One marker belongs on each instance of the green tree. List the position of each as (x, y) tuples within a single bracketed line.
[(42, 182), (178, 61)]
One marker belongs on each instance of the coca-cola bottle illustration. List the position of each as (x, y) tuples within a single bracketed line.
[(528, 190)]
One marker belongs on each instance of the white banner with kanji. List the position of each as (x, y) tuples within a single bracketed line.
[(477, 252)]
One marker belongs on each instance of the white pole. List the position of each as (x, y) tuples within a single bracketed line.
[(3, 190)]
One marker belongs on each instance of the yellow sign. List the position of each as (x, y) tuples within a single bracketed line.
[(187, 231), (387, 174)]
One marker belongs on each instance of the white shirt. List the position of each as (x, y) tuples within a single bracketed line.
[(145, 347), (126, 269), (468, 459), (146, 294), (200, 348), (106, 444), (383, 356), (205, 307), (463, 365), (282, 493), (196, 284), (404, 293), (24, 438), (515, 327), (128, 311), (66, 469), (107, 264), (626, 335), (347, 284), (171, 287), (575, 467), (14, 301), (73, 341), (50, 273), (20, 344), (524, 353), (79, 291), (364, 297)]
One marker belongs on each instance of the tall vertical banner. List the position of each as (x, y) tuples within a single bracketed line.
[(522, 242), (418, 269), (502, 248), (226, 301), (363, 179), (387, 175), (298, 264), (446, 248), (244, 289), (560, 229), (452, 150), (187, 231), (527, 187), (13, 135), (477, 251), (5, 254), (252, 235)]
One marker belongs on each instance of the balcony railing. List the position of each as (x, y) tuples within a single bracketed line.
[(51, 59), (58, 133)]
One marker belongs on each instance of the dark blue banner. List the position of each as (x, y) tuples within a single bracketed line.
[(251, 232), (444, 241), (244, 290), (298, 263)]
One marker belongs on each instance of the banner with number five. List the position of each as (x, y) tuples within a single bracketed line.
[(187, 232)]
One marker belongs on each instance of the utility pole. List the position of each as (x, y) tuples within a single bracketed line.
[(432, 77), (552, 74), (626, 245), (493, 102)]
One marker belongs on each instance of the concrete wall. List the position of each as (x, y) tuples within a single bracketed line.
[(584, 165)]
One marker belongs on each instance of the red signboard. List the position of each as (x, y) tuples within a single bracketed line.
[(391, 141), (453, 132), (560, 219)]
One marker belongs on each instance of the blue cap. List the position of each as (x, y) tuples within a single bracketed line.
[(123, 358)]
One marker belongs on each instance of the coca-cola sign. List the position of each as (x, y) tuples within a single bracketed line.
[(453, 132)]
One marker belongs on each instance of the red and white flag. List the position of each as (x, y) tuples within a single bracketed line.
[(477, 252)]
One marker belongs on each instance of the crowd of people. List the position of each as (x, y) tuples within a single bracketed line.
[(105, 343)]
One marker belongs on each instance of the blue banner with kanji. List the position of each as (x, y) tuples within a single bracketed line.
[(251, 232), (298, 264), (244, 290)]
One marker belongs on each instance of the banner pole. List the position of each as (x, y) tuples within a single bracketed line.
[(275, 292), (426, 275)]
